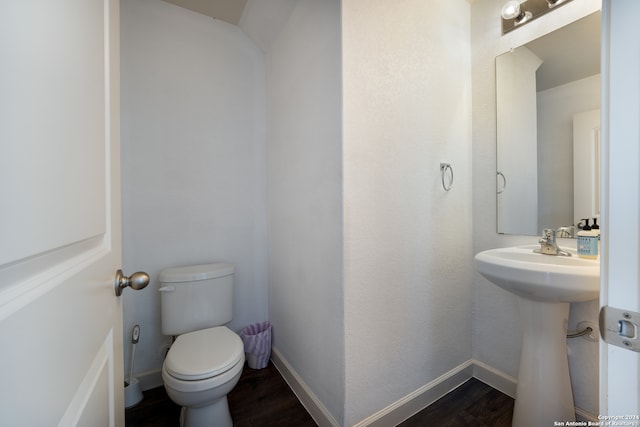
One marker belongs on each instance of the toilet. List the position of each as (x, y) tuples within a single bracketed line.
[(206, 359)]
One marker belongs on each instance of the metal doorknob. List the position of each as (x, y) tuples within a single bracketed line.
[(138, 280)]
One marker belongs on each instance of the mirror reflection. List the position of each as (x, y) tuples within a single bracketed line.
[(548, 129)]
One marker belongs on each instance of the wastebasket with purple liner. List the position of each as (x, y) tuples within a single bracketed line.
[(257, 344)]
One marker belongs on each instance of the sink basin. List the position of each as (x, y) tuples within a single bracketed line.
[(541, 277), (545, 285)]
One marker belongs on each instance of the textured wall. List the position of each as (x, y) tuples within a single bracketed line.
[(306, 302), (407, 107), (193, 159)]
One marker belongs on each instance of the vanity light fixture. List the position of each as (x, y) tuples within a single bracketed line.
[(554, 3), (515, 13), (513, 10)]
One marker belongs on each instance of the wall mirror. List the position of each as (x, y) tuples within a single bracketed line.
[(548, 129)]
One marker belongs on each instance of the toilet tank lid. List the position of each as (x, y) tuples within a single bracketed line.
[(193, 273)]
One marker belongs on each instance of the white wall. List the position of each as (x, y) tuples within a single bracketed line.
[(496, 328), (262, 21), (193, 159), (305, 198), (556, 107), (408, 265)]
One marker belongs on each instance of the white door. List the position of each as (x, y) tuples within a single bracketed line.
[(619, 367), (60, 321), (586, 165)]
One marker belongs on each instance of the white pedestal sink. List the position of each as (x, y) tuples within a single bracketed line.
[(545, 286)]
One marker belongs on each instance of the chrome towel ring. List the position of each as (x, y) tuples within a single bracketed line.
[(444, 167), (504, 182)]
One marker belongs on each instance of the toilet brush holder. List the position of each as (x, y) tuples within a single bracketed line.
[(132, 393)]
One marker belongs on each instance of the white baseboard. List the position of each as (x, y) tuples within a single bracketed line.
[(392, 414), (582, 415), (508, 384), (398, 411), (309, 400), (495, 378), (150, 379), (416, 401)]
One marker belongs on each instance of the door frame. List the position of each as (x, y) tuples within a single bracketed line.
[(620, 183)]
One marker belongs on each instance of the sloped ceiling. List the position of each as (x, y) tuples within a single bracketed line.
[(261, 20), (569, 53), (226, 10)]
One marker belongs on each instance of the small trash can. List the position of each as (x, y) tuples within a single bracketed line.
[(257, 344)]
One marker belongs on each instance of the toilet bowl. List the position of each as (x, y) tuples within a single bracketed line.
[(206, 359), (200, 369)]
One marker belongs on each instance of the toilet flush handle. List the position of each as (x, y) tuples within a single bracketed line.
[(138, 280)]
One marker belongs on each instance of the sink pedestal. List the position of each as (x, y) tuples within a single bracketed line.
[(543, 394), (544, 286)]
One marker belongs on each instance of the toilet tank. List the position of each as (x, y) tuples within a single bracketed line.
[(196, 297)]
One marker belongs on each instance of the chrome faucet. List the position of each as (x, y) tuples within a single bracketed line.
[(548, 244), (566, 232)]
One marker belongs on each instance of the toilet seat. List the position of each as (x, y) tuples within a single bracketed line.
[(204, 354)]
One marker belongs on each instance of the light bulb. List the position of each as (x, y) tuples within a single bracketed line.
[(511, 9), (554, 3)]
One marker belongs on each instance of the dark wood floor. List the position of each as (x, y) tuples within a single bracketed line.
[(472, 404), (262, 398)]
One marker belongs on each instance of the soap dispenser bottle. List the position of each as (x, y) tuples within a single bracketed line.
[(588, 239)]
